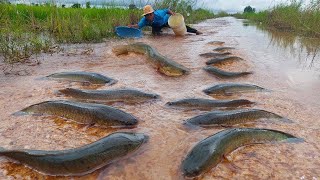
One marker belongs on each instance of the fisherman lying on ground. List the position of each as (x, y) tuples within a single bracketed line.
[(157, 20)]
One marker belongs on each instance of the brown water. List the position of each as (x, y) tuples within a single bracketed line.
[(286, 71)]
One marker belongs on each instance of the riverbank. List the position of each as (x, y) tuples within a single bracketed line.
[(27, 30), (296, 17)]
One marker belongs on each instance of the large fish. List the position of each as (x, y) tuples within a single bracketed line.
[(160, 62), (232, 88), (115, 95), (85, 113), (214, 55), (210, 151), (223, 59), (224, 74), (222, 49), (81, 160), (208, 104), (228, 118), (86, 77)]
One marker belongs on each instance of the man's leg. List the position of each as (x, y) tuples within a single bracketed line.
[(192, 30), (157, 30)]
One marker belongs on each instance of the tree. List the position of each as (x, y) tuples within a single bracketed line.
[(132, 6), (249, 9), (76, 5), (88, 5)]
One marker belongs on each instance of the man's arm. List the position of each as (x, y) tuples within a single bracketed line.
[(171, 12), (133, 25)]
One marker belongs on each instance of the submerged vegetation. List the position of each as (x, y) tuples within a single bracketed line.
[(295, 17), (27, 30)]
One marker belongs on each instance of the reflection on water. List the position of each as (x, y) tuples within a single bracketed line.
[(307, 49), (294, 95)]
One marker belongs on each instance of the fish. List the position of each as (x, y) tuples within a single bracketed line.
[(209, 152), (115, 95), (84, 113), (228, 89), (229, 118), (81, 76), (163, 64), (224, 74), (82, 160), (200, 103), (222, 49), (214, 55), (216, 43), (223, 59)]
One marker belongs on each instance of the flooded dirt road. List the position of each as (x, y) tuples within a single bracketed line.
[(288, 72)]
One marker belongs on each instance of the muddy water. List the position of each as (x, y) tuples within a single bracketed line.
[(295, 95)]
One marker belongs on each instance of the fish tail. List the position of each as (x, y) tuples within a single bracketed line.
[(190, 126), (2, 150), (112, 82), (295, 140), (286, 120), (20, 113)]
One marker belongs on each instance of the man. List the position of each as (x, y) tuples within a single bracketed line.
[(157, 20)]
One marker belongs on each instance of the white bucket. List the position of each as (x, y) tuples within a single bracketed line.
[(176, 22)]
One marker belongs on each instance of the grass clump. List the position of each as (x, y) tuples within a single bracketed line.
[(27, 30), (294, 17)]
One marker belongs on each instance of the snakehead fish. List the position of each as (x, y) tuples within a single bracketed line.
[(85, 113), (81, 160), (227, 118), (93, 78), (200, 103), (160, 62), (223, 59), (224, 74), (232, 88), (115, 95), (214, 55), (209, 152)]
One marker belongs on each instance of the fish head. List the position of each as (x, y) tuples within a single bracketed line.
[(198, 161)]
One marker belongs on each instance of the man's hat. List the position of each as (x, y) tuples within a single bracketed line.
[(147, 10)]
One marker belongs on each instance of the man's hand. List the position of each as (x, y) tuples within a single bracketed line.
[(133, 25), (171, 12)]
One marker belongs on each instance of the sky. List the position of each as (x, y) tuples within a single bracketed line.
[(229, 6), (238, 5)]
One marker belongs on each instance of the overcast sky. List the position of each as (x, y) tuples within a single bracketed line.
[(238, 5), (215, 5)]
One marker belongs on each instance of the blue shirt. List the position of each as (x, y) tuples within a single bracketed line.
[(160, 18)]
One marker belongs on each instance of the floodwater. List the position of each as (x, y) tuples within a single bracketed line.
[(291, 71)]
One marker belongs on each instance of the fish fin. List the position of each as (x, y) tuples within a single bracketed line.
[(112, 82), (42, 78), (295, 140), (2, 149), (286, 120), (19, 113), (86, 83), (190, 126), (227, 93), (230, 164), (226, 126), (88, 126)]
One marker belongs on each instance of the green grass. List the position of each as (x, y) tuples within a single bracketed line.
[(294, 18), (27, 30)]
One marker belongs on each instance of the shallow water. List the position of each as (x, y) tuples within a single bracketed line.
[(286, 71)]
